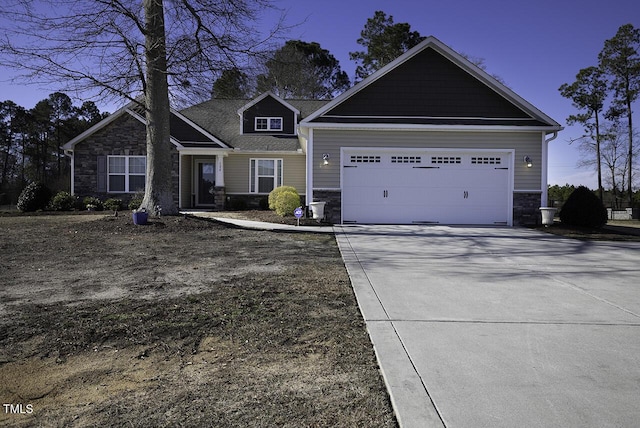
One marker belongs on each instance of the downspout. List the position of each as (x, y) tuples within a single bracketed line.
[(545, 179), (309, 189), (73, 169)]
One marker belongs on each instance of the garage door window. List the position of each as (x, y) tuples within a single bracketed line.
[(365, 159), (446, 159), (486, 160), (406, 159)]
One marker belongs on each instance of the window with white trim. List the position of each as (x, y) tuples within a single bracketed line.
[(126, 174), (268, 124), (265, 175)]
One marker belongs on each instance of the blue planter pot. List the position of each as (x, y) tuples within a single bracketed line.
[(140, 218)]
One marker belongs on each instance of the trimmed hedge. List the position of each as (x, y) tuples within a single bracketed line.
[(286, 203), (275, 194), (95, 203), (63, 201), (136, 201), (113, 204), (34, 197), (583, 208)]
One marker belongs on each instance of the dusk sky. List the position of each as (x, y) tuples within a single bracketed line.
[(533, 46)]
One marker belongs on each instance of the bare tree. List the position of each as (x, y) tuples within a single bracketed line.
[(124, 48), (620, 57), (588, 94), (303, 70)]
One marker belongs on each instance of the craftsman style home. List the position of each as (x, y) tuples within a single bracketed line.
[(429, 138)]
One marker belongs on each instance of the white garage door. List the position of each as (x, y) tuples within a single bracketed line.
[(425, 186)]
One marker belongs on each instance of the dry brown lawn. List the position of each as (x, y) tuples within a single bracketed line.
[(183, 322)]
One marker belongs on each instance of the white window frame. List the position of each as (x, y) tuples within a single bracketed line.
[(254, 177), (126, 173), (269, 127)]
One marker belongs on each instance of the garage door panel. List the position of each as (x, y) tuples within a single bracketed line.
[(426, 186)]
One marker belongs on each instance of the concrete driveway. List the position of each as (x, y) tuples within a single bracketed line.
[(500, 327)]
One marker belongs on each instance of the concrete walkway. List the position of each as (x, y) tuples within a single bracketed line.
[(259, 225), (500, 327)]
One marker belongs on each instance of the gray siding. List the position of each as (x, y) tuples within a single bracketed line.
[(524, 143), (236, 171)]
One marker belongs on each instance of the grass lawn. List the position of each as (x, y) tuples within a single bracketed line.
[(628, 230), (182, 322)]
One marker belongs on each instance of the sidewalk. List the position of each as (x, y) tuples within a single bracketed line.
[(259, 225)]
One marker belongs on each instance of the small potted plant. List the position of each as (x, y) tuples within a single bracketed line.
[(140, 216)]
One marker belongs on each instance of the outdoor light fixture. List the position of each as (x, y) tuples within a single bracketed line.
[(325, 158), (528, 161)]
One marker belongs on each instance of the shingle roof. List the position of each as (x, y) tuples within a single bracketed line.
[(219, 117)]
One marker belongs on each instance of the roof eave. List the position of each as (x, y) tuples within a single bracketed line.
[(422, 127), (98, 126), (262, 97)]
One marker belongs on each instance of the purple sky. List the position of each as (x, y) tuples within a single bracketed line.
[(534, 46)]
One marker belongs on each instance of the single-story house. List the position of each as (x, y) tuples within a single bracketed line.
[(429, 138)]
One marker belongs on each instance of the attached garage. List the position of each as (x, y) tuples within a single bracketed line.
[(429, 139), (426, 186)]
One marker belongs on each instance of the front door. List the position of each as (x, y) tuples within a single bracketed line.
[(205, 182)]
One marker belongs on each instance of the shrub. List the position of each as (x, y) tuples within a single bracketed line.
[(113, 204), (583, 208), (286, 203), (136, 201), (92, 201), (63, 201), (273, 196), (34, 197)]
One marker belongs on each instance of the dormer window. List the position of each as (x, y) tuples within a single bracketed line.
[(268, 124)]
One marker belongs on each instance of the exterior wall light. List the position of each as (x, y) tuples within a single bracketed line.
[(325, 158), (528, 161)]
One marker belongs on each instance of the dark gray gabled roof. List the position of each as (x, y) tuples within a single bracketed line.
[(431, 85), (220, 118)]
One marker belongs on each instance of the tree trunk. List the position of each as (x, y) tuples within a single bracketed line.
[(158, 192), (630, 160), (600, 190)]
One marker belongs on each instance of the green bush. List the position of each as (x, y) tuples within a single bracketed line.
[(583, 208), (286, 203), (273, 196), (63, 201), (92, 202), (113, 204), (34, 197), (136, 201)]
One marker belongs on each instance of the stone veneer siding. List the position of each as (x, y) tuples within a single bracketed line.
[(333, 207), (124, 136), (525, 206), (219, 198), (526, 209)]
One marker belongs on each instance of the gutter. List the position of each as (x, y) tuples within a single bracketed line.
[(545, 178)]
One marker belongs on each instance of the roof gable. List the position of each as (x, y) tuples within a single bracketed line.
[(189, 134), (98, 126), (184, 132), (431, 84), (262, 97), (220, 118)]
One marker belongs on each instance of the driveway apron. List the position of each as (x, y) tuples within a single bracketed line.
[(500, 327)]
